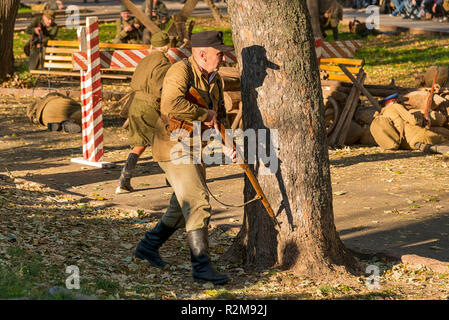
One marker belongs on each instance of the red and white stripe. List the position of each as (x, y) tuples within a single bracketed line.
[(340, 49), (120, 59), (92, 118)]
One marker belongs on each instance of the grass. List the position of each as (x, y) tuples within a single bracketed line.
[(19, 277), (24, 10), (24, 274)]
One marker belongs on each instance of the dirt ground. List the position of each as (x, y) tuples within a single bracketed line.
[(394, 203)]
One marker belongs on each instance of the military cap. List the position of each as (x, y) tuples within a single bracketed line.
[(160, 39), (123, 8), (211, 38), (50, 14), (388, 99)]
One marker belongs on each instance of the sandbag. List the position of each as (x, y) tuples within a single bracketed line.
[(384, 133)]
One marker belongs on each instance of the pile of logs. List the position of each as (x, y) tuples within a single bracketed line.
[(232, 95), (349, 116), (349, 106)]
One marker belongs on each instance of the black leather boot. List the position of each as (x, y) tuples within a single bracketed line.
[(71, 127), (54, 126), (202, 268), (148, 247), (124, 182), (432, 149)]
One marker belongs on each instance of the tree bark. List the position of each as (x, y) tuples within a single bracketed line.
[(281, 92), (146, 37), (8, 12), (215, 12)]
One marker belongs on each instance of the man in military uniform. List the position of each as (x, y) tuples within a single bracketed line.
[(189, 205), (144, 110), (396, 128), (57, 112), (129, 29), (331, 18), (159, 13), (41, 30)]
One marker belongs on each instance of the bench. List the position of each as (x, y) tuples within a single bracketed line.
[(58, 60), (332, 71)]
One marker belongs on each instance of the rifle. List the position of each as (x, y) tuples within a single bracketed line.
[(193, 96), (34, 40), (430, 101)]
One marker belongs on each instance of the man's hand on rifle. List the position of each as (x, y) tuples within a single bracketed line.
[(37, 30), (136, 25), (211, 120), (128, 28), (229, 152)]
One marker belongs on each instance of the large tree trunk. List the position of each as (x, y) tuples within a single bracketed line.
[(281, 91), (146, 37), (8, 12)]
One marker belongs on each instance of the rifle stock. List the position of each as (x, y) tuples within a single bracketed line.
[(193, 96)]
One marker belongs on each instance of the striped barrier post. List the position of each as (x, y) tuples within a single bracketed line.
[(92, 118)]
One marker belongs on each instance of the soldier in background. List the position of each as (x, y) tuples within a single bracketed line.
[(159, 13), (129, 29), (41, 29), (144, 110), (396, 128), (331, 18), (57, 112)]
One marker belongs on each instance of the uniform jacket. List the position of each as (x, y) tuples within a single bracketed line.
[(131, 35), (144, 110), (178, 80)]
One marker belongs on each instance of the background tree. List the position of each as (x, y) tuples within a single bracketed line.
[(281, 90), (314, 11), (146, 36), (215, 12), (8, 12)]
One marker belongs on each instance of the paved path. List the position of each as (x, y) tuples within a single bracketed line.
[(388, 23), (110, 9)]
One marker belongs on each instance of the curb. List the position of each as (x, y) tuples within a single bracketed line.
[(411, 30), (434, 265)]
